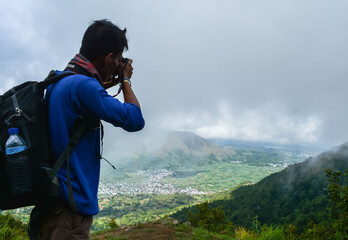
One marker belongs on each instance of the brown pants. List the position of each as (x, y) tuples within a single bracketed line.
[(62, 223)]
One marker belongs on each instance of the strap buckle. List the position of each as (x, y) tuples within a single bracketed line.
[(73, 142)]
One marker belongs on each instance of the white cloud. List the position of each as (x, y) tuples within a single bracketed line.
[(269, 123), (19, 27), (8, 83), (18, 71), (281, 67)]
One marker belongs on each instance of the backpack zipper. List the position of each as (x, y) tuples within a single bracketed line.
[(21, 113)]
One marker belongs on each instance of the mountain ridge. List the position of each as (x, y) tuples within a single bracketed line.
[(178, 149), (295, 195), (193, 144)]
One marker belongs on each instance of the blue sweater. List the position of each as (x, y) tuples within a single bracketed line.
[(81, 95)]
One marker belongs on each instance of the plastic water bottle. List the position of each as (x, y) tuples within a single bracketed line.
[(17, 163), (14, 143)]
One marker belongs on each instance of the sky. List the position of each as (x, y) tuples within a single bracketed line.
[(250, 70)]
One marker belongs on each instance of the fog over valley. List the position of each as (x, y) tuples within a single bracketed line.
[(271, 71)]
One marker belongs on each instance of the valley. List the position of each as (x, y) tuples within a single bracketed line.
[(145, 195), (204, 180), (151, 194), (189, 171)]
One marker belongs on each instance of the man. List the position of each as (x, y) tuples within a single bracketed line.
[(84, 94)]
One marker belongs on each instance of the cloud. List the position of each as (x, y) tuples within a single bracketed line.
[(262, 124), (242, 69), (14, 72), (19, 26)]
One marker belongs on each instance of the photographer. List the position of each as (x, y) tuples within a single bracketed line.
[(98, 66)]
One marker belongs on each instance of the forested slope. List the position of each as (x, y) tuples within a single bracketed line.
[(295, 195)]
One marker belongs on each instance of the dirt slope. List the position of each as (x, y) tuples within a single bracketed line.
[(161, 230)]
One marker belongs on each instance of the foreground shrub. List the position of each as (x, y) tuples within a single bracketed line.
[(11, 228), (243, 234), (113, 224), (213, 220), (201, 233), (272, 233)]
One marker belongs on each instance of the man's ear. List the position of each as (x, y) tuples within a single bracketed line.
[(109, 59)]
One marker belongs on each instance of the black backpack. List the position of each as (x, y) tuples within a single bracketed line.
[(24, 107)]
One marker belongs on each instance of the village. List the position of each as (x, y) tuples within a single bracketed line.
[(153, 184)]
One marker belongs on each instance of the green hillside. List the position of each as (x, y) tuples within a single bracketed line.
[(295, 195), (185, 170)]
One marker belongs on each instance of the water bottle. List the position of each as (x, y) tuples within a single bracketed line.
[(17, 163), (14, 143)]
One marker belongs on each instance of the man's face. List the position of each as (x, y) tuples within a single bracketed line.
[(118, 59), (112, 62)]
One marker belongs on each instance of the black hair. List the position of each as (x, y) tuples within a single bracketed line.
[(101, 38)]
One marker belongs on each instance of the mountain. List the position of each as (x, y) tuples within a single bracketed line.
[(263, 145), (191, 144), (179, 150), (295, 195)]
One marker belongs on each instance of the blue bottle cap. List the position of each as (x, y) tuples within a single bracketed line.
[(12, 131)]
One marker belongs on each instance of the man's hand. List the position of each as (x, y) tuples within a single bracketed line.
[(128, 70), (128, 94), (124, 69)]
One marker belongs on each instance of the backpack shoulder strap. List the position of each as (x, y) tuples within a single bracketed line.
[(74, 140), (53, 77), (65, 156)]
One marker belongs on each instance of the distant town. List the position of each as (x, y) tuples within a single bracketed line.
[(153, 184)]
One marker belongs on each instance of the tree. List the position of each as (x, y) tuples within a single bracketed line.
[(338, 192), (213, 220), (113, 224)]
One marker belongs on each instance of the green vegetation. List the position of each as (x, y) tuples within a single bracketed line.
[(294, 196), (129, 209), (299, 202), (220, 177), (211, 223), (12, 228), (180, 160), (264, 157), (113, 224), (132, 209), (217, 178), (201, 233), (336, 228), (338, 202), (212, 220)]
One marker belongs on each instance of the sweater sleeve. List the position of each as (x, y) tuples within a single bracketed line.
[(93, 101)]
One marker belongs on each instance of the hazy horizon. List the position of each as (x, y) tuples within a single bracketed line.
[(255, 71)]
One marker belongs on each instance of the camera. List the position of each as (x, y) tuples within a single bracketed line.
[(124, 60)]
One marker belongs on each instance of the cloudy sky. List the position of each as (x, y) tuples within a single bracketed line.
[(253, 70)]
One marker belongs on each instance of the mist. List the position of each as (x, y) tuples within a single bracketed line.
[(270, 71)]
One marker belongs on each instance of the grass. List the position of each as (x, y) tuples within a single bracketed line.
[(272, 233), (12, 228), (200, 234), (183, 228)]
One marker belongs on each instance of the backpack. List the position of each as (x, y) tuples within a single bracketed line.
[(24, 107)]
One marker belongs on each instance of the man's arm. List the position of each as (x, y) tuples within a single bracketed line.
[(93, 101), (128, 94), (105, 107)]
